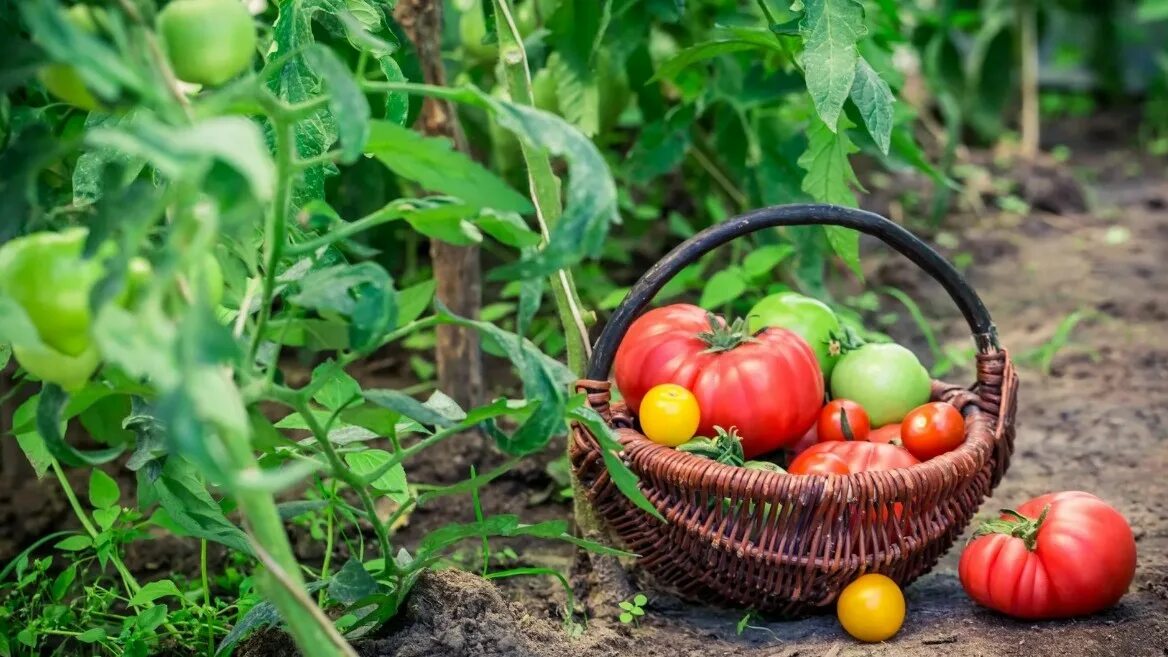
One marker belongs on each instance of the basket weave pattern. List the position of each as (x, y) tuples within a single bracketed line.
[(788, 544)]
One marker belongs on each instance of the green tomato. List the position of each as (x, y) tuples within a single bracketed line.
[(472, 28), (207, 41), (886, 379), (52, 366), (810, 318), (62, 80), (46, 275)]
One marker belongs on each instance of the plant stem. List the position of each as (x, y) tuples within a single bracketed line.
[(545, 188), (390, 212), (207, 596), (1028, 51), (330, 532)]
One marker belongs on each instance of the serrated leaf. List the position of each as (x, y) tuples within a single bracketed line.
[(346, 100), (182, 493), (830, 30), (659, 149), (578, 94), (829, 179), (103, 490), (873, 97), (362, 292), (722, 288), (435, 165)]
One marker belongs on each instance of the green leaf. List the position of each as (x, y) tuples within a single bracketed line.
[(577, 92), (640, 600), (409, 407), (507, 228), (63, 581), (49, 424), (829, 179), (346, 100), (92, 635), (414, 300), (764, 259), (178, 151), (874, 98), (435, 165), (830, 30), (92, 164), (150, 618), (670, 68), (660, 147), (152, 591), (103, 490), (1151, 11), (74, 543), (181, 492), (142, 344), (626, 617), (35, 450), (334, 387), (363, 292), (722, 288), (352, 583), (392, 482)]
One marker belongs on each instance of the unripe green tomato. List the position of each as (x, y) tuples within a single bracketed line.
[(62, 80), (884, 378), (207, 41), (69, 372), (810, 318), (45, 274)]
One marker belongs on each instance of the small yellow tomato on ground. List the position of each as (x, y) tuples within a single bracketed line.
[(669, 414), (871, 608)]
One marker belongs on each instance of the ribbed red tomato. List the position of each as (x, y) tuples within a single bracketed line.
[(860, 455), (768, 386), (1062, 555)]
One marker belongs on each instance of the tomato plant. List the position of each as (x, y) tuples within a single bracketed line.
[(1057, 556), (871, 608), (886, 379), (933, 429), (684, 344), (842, 419)]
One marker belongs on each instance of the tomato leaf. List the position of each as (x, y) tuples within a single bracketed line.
[(763, 260), (435, 165), (507, 228), (577, 28), (351, 583), (625, 479), (363, 292), (829, 179), (50, 426), (670, 68), (723, 287), (182, 493), (874, 99), (103, 490), (402, 403), (390, 482), (830, 30), (413, 301), (346, 100)]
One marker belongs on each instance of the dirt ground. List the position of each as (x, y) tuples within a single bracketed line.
[(1097, 422)]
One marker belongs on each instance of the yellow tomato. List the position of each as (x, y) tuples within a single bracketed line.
[(871, 608), (669, 414)]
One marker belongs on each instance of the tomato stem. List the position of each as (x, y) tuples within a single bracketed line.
[(723, 335), (1018, 526)]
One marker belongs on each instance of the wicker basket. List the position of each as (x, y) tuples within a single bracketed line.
[(782, 543)]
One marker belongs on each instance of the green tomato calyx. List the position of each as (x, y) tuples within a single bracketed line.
[(723, 335), (1018, 526)]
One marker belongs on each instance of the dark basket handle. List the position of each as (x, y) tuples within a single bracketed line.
[(984, 333)]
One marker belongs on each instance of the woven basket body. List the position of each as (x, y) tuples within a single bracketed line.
[(783, 543)]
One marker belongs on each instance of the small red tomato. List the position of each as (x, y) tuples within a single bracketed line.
[(843, 419), (811, 463), (932, 429), (889, 433)]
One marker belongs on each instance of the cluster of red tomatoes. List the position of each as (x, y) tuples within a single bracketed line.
[(685, 372)]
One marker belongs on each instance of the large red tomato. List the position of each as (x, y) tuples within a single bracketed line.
[(860, 455), (769, 385), (1062, 555)]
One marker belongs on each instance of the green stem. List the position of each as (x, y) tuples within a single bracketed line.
[(207, 597), (326, 157), (330, 538), (391, 212), (545, 188)]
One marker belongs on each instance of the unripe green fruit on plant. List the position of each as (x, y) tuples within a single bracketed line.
[(207, 41), (62, 80)]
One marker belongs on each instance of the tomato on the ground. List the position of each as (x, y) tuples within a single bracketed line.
[(843, 419), (932, 429), (768, 386), (1058, 556), (871, 608), (885, 378), (669, 415), (820, 463), (207, 41)]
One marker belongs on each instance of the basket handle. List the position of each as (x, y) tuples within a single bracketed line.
[(971, 306)]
